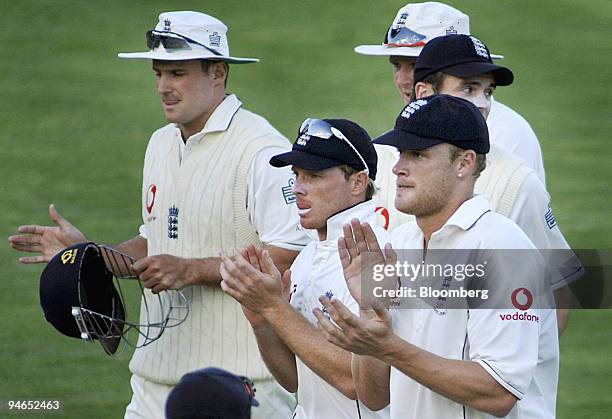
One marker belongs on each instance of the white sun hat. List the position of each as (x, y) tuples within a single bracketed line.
[(188, 36), (416, 24)]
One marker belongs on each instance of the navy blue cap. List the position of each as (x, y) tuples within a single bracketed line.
[(211, 393), (438, 119), (77, 277), (315, 153), (460, 56)]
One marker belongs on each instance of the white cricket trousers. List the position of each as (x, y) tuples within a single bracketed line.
[(149, 399)]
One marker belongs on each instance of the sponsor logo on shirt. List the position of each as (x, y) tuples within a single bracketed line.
[(522, 298), (151, 191), (287, 191), (517, 316), (551, 222), (384, 212)]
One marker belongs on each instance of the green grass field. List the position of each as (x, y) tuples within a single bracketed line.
[(75, 120)]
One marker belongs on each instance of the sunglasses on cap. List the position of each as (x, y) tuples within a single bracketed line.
[(249, 386), (403, 37), (171, 40), (322, 129)]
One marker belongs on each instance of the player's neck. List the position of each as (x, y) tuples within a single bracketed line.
[(431, 223), (196, 125)]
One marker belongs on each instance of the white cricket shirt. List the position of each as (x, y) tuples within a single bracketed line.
[(315, 272), (522, 356)]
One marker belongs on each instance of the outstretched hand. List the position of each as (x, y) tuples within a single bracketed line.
[(368, 334), (359, 253), (253, 255), (253, 280), (46, 240)]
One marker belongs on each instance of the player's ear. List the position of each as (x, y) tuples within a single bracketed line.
[(422, 90), (359, 183), (219, 71), (466, 163)]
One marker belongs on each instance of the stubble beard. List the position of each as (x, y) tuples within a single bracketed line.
[(430, 201)]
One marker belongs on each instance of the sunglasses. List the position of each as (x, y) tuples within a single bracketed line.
[(171, 40), (249, 386), (322, 129), (403, 37)]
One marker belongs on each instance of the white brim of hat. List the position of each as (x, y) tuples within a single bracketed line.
[(383, 50), (183, 55)]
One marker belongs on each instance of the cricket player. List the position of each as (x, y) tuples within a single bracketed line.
[(429, 363), (461, 65), (207, 187), (334, 163), (418, 23)]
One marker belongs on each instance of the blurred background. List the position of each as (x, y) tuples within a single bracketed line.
[(75, 121)]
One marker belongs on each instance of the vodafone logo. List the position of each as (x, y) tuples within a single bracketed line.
[(151, 197), (522, 298)]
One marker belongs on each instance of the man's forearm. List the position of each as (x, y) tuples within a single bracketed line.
[(465, 382), (135, 247), (327, 360), (205, 271), (278, 357), (371, 377)]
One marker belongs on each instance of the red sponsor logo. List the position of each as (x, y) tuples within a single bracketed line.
[(151, 197), (522, 298), (385, 213)]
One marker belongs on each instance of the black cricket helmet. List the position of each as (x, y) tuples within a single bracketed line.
[(81, 296)]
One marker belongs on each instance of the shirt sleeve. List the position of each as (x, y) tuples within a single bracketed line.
[(507, 348), (142, 231), (533, 213), (271, 202), (504, 338)]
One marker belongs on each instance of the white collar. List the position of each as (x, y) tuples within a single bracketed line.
[(363, 211), (220, 119), (469, 213)]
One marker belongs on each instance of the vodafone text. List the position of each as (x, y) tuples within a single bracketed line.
[(526, 317)]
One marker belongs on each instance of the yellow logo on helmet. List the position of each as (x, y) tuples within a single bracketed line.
[(69, 256)]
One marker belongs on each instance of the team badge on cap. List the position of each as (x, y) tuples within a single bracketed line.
[(435, 120), (413, 107)]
